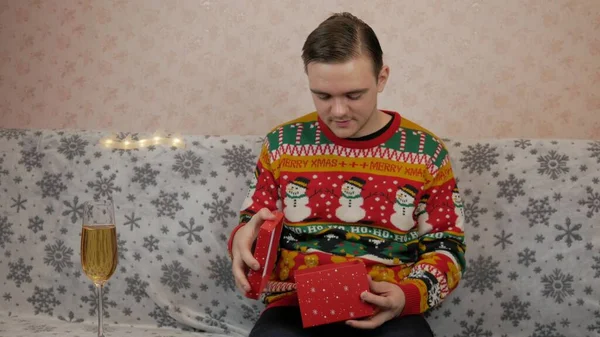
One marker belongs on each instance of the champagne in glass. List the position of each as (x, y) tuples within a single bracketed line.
[(99, 248)]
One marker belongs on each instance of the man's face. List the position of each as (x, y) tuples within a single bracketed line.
[(345, 95)]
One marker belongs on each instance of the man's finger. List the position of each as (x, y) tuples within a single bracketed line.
[(239, 274), (379, 287), (249, 260), (265, 214), (370, 323), (242, 282), (258, 218), (239, 286), (379, 301)]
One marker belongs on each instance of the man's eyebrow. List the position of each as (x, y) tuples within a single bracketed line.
[(318, 92), (353, 92)]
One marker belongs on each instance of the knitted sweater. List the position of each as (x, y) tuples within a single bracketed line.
[(391, 201)]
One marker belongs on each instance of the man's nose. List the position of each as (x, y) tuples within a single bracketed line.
[(339, 108)]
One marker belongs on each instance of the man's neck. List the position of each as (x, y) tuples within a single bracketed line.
[(380, 120)]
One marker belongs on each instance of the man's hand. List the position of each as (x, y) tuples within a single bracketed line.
[(241, 248), (389, 300)]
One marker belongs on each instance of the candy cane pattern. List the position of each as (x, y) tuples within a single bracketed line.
[(421, 141), (280, 136), (318, 134), (402, 139), (299, 128), (437, 152), (279, 287)]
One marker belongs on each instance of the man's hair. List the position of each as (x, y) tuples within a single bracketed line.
[(340, 38)]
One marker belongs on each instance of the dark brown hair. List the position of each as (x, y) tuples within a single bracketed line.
[(340, 38)]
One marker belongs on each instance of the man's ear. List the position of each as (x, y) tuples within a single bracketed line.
[(382, 78)]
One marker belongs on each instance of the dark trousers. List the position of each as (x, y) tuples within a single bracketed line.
[(287, 322)]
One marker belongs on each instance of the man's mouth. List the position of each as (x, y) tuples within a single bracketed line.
[(342, 124)]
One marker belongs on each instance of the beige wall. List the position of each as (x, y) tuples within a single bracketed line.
[(477, 68)]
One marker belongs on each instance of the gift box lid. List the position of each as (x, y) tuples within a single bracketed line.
[(331, 293), (265, 252)]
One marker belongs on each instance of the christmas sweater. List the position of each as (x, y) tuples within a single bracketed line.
[(391, 201)]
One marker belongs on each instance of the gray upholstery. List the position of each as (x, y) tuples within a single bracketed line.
[(533, 234)]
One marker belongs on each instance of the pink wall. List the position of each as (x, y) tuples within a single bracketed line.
[(513, 68)]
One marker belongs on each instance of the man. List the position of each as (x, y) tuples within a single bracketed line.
[(354, 182)]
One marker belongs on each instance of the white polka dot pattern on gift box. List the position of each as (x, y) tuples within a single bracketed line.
[(331, 293)]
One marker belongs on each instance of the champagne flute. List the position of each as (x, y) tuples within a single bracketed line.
[(99, 248)]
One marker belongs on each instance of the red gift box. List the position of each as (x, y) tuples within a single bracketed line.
[(265, 252), (331, 293)]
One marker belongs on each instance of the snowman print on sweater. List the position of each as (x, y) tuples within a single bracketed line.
[(296, 201), (351, 201), (404, 205), (459, 209), (248, 200), (423, 224)]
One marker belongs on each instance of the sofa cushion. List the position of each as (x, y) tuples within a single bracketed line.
[(43, 326), (532, 210)]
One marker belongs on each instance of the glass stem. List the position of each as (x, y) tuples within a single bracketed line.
[(100, 311)]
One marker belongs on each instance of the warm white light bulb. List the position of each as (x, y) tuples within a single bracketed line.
[(108, 142), (156, 138), (176, 140), (126, 143)]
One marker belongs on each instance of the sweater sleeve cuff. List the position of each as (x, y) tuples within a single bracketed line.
[(413, 297), (231, 236)]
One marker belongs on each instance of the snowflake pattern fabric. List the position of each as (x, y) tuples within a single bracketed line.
[(530, 208)]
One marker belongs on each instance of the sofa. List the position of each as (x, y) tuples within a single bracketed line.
[(532, 211)]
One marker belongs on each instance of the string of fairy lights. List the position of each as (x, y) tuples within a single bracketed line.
[(129, 143)]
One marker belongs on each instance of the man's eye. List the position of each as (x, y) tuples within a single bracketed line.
[(354, 97), (323, 97)]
